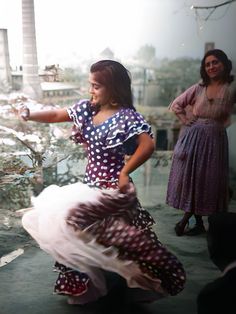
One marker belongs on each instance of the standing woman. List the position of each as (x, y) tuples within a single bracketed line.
[(198, 180), (109, 128)]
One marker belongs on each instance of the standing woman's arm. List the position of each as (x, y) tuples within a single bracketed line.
[(178, 106)]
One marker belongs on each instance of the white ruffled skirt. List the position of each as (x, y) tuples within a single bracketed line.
[(87, 230)]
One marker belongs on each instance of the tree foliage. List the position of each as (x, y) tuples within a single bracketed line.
[(30, 155), (174, 76), (146, 53)]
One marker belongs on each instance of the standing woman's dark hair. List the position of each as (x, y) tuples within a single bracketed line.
[(222, 57), (116, 78)]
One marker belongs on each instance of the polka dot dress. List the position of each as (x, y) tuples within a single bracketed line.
[(106, 145), (70, 282)]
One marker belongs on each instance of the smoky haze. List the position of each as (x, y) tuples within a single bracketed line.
[(70, 30)]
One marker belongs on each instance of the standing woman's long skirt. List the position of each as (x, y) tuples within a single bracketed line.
[(198, 180)]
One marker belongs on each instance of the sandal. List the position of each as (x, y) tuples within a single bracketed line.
[(196, 230), (179, 229)]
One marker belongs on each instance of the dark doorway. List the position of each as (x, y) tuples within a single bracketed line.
[(161, 140)]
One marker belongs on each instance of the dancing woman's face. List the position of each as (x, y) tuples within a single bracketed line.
[(214, 67), (99, 93)]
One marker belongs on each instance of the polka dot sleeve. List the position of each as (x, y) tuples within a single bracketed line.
[(79, 113), (128, 125)]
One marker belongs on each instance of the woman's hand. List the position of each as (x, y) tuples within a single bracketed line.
[(191, 121), (24, 113), (178, 109), (143, 151), (124, 181)]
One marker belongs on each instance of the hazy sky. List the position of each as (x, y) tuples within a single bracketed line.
[(69, 29)]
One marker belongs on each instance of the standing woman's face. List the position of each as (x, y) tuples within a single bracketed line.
[(214, 67), (99, 93)]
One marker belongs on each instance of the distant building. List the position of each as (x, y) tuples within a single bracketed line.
[(165, 126), (31, 82), (209, 46), (51, 73), (60, 93), (107, 53), (5, 70), (53, 91)]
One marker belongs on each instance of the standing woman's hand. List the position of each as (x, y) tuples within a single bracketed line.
[(191, 121), (124, 181)]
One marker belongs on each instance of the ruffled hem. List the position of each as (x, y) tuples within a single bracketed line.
[(70, 282), (128, 125), (98, 234)]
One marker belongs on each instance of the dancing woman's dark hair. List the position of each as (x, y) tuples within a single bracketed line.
[(222, 57), (117, 79)]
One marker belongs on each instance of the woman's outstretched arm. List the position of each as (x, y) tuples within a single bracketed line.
[(45, 116)]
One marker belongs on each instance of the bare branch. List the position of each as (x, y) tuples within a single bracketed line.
[(211, 9), (19, 137), (212, 6), (56, 162)]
